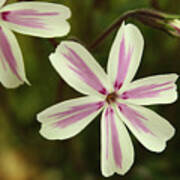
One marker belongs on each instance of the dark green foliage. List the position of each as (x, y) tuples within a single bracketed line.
[(25, 154)]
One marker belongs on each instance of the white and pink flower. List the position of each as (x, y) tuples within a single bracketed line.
[(32, 18), (175, 25), (116, 95)]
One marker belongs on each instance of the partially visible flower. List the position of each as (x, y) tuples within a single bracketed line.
[(31, 18), (174, 27), (115, 95)]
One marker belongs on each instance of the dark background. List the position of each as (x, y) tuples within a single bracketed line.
[(25, 155)]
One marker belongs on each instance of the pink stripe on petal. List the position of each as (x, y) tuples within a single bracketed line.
[(6, 51), (76, 109), (123, 64), (134, 117), (147, 91), (152, 94), (115, 140), (27, 17), (32, 12), (76, 117), (83, 71), (107, 132)]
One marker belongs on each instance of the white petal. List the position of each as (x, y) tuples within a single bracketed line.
[(12, 72), (149, 128), (125, 55), (2, 2), (79, 69), (37, 18), (117, 153), (151, 90), (66, 119)]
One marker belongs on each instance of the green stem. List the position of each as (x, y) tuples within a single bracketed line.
[(134, 13)]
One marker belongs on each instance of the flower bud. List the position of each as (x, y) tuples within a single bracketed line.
[(174, 28)]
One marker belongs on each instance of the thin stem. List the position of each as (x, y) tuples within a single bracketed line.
[(150, 22), (117, 23)]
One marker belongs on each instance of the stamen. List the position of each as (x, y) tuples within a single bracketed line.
[(111, 98)]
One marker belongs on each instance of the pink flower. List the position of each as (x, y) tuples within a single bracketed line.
[(116, 95), (31, 18)]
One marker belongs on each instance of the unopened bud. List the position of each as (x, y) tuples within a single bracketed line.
[(174, 28)]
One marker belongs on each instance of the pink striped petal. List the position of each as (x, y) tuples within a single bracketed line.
[(37, 18), (123, 64), (151, 90), (117, 154), (11, 63), (135, 118), (149, 128), (79, 69), (125, 55), (68, 118)]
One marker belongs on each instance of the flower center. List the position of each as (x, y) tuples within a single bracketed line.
[(111, 98)]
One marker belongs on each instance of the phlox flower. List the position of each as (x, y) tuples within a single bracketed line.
[(116, 95), (175, 25), (32, 18)]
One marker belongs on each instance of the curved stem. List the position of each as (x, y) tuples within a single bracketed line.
[(134, 13)]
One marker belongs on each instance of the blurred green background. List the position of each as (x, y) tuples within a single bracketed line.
[(25, 155)]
